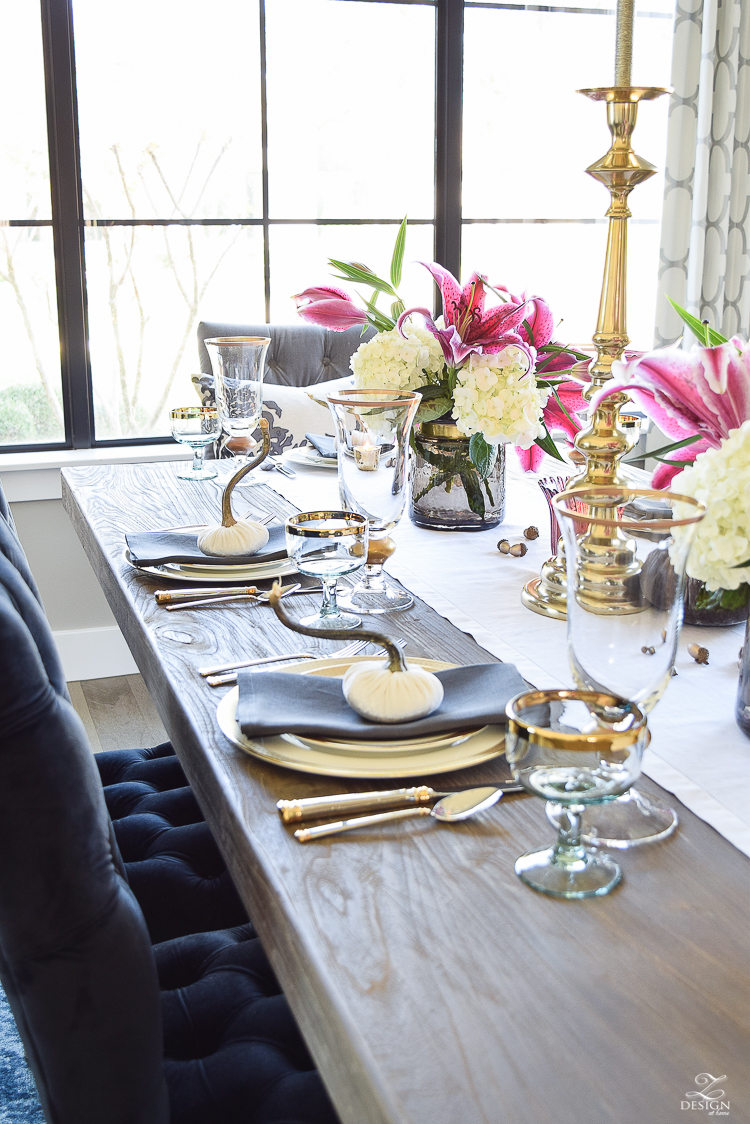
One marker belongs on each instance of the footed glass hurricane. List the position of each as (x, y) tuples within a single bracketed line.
[(327, 545), (373, 428), (577, 748), (626, 551), (239, 364)]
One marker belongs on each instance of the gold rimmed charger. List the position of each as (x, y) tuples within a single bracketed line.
[(187, 572), (445, 753)]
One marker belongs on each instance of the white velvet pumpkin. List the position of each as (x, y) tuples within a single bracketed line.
[(382, 695), (243, 537)]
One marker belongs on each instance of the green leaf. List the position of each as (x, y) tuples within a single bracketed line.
[(708, 599), (377, 318), (355, 271), (549, 446), (397, 308), (472, 487), (529, 332), (433, 390), (662, 451), (482, 454), (697, 328), (559, 349), (397, 261), (433, 408), (734, 598)]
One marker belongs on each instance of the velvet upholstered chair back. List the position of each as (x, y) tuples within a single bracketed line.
[(75, 956), (299, 354)]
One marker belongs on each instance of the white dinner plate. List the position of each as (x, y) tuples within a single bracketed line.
[(388, 759), (183, 572), (311, 458)]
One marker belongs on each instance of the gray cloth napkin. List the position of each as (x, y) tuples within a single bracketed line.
[(474, 696), (153, 548), (325, 445)]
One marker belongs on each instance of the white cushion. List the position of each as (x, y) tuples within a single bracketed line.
[(292, 411)]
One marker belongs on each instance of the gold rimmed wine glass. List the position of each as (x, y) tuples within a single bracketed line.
[(327, 545), (198, 427), (578, 749)]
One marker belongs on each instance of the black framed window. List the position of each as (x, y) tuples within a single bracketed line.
[(206, 168)]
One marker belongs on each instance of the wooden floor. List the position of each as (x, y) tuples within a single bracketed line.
[(118, 713)]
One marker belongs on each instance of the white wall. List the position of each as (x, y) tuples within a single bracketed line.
[(91, 645)]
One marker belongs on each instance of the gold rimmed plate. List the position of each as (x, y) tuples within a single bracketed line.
[(397, 758), (185, 572)]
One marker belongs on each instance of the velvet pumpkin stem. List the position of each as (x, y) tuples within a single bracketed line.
[(227, 519), (396, 661)]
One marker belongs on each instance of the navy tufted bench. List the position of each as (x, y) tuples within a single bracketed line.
[(171, 859), (226, 1023)]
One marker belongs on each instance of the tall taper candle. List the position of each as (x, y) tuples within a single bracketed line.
[(624, 42)]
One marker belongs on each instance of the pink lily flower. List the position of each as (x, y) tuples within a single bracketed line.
[(571, 396), (705, 391), (538, 316), (468, 328), (329, 308)]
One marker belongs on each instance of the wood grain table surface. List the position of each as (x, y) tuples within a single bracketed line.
[(431, 985)]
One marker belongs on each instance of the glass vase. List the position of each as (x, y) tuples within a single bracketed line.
[(373, 429), (447, 491), (742, 709)]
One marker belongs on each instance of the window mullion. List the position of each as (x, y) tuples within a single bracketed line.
[(448, 124), (67, 219)]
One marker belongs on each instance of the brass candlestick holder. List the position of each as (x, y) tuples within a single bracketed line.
[(610, 434)]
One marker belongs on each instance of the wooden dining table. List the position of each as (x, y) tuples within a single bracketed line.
[(431, 985)]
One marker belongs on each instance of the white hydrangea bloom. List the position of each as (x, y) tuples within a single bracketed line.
[(497, 396), (720, 479), (393, 362)]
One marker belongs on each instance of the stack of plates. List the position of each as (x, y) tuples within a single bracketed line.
[(210, 572), (310, 457), (411, 757)]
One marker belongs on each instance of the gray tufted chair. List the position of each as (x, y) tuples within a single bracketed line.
[(299, 355)]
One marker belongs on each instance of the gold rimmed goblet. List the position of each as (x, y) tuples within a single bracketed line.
[(327, 545), (626, 551), (577, 748), (196, 426)]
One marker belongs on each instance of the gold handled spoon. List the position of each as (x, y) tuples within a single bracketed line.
[(451, 809)]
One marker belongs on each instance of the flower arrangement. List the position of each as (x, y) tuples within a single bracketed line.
[(701, 398), (493, 371)]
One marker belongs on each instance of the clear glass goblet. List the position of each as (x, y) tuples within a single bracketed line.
[(239, 364), (373, 428), (327, 545), (577, 748), (196, 426), (626, 551)]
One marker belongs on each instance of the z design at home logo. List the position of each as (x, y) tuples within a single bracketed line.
[(707, 1096)]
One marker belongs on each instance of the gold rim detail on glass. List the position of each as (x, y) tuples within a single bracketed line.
[(390, 397), (543, 736), (619, 496), (224, 341), (354, 522)]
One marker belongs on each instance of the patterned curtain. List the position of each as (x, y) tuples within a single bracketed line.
[(705, 249)]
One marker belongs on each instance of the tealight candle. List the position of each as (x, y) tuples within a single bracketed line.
[(366, 457)]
